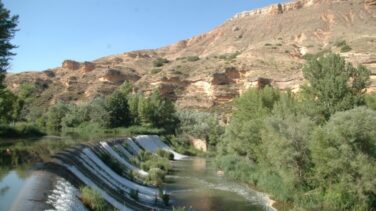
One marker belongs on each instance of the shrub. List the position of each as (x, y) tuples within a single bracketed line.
[(343, 152), (159, 62), (371, 100), (165, 154), (345, 48), (93, 200), (343, 45), (156, 176), (229, 56), (155, 70), (193, 58)]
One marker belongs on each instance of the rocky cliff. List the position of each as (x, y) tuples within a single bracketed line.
[(255, 48)]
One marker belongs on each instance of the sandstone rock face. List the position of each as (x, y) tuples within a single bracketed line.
[(71, 65), (88, 67)]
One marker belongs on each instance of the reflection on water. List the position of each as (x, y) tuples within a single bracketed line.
[(10, 186), (196, 185)]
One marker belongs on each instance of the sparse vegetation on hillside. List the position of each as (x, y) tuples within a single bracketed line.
[(229, 56)]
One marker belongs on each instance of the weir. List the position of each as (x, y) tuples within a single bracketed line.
[(109, 167), (86, 164)]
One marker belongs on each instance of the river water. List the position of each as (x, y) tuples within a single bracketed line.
[(193, 184)]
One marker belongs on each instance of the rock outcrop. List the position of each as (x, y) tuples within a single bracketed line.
[(71, 65), (88, 67)]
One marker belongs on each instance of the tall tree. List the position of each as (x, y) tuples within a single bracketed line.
[(335, 85), (8, 24), (118, 109)]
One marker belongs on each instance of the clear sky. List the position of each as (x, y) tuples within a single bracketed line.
[(84, 30)]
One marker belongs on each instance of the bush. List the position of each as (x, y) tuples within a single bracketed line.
[(165, 154), (159, 62), (156, 176), (94, 200), (345, 48), (229, 56), (371, 100), (155, 70), (193, 58), (343, 152), (343, 45)]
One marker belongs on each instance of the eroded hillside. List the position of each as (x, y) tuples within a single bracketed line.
[(253, 48)]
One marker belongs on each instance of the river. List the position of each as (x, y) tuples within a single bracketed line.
[(193, 184)]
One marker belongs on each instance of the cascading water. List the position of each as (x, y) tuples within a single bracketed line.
[(193, 183), (64, 197)]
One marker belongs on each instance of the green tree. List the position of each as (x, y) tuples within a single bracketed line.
[(117, 107), (243, 135), (8, 24), (76, 116), (55, 115), (344, 154), (133, 102), (335, 85), (163, 113), (10, 106), (98, 113), (9, 103)]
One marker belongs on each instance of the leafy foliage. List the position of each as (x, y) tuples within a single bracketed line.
[(8, 24), (344, 154), (284, 144), (334, 84)]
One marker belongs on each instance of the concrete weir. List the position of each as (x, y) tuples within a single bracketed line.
[(89, 166)]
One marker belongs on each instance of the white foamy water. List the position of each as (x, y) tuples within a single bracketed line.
[(91, 184), (64, 197), (142, 189), (152, 143)]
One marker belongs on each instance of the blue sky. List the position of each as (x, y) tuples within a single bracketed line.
[(84, 30)]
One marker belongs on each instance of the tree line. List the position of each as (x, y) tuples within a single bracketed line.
[(315, 148)]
